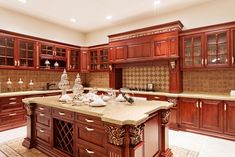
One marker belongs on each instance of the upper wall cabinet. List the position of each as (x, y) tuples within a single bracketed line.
[(52, 56), (145, 44), (233, 47), (73, 60), (84, 60)]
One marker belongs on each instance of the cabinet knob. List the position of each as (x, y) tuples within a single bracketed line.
[(12, 103), (15, 62), (12, 98), (202, 61), (200, 104), (18, 63), (232, 60), (89, 151), (89, 121), (205, 61)]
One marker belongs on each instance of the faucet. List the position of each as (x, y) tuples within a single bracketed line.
[(48, 85)]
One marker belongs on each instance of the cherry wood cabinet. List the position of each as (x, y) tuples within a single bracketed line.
[(84, 60), (211, 115), (99, 58), (74, 60), (193, 51), (233, 47), (189, 113), (52, 56), (217, 48), (229, 117), (118, 53)]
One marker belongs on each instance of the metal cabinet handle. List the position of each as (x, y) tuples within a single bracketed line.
[(202, 61), (232, 60), (61, 113), (205, 61), (15, 62), (12, 114), (41, 130), (42, 114), (89, 129), (12, 103), (18, 63), (200, 104), (225, 107), (12, 98), (89, 121), (41, 108), (197, 104), (89, 151)]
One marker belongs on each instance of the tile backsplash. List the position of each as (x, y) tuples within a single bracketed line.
[(139, 77), (98, 79), (40, 78), (217, 82)]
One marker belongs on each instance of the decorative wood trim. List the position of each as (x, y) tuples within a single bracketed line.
[(163, 28), (136, 134), (165, 116), (29, 109), (173, 100), (115, 135)]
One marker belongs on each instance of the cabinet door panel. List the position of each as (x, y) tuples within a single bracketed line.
[(84, 61), (230, 118), (161, 48), (173, 47), (189, 113), (211, 115), (120, 53), (139, 50)]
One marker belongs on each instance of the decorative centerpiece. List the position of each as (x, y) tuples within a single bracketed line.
[(77, 89), (64, 86)]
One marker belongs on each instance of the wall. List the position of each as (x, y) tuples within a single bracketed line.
[(209, 13), (217, 82), (97, 79), (138, 77), (40, 78), (19, 23)]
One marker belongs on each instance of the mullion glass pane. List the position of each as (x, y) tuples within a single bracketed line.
[(211, 39), (2, 61), (212, 59), (10, 61), (211, 50), (222, 37), (2, 51), (22, 53)]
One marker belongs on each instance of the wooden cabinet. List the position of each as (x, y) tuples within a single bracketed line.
[(84, 61), (229, 118), (99, 59), (189, 113), (166, 47), (118, 53), (206, 115), (7, 51), (211, 115), (192, 49), (217, 48), (233, 47), (52, 56), (138, 50), (74, 60)]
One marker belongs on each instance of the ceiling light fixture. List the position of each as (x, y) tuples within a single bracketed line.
[(22, 1), (109, 17), (157, 2), (73, 20)]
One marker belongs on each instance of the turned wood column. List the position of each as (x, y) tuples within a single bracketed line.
[(163, 134), (29, 140)]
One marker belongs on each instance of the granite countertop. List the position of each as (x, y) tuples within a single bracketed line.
[(9, 94), (119, 113)]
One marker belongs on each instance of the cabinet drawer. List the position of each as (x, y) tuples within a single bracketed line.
[(91, 134), (89, 120), (43, 135), (44, 109), (11, 106), (10, 99), (85, 149), (13, 117), (43, 118), (63, 114)]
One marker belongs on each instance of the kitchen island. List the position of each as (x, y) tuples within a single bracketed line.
[(115, 130)]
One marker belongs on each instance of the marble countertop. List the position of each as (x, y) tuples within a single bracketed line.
[(119, 113), (184, 95), (9, 94)]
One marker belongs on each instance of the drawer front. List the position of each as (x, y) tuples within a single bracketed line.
[(10, 99), (11, 106), (44, 109), (12, 117), (89, 120), (63, 114), (91, 134), (85, 149), (43, 118), (43, 135)]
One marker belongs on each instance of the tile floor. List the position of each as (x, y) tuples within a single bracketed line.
[(205, 145)]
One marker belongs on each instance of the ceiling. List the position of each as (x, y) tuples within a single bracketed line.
[(91, 15)]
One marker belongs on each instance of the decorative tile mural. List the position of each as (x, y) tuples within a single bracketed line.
[(217, 82), (139, 77)]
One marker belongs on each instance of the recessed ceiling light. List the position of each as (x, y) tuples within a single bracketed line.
[(73, 20), (109, 17), (157, 2), (22, 1)]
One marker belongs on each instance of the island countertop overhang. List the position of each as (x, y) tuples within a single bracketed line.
[(118, 113)]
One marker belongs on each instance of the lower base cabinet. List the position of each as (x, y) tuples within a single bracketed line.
[(229, 118)]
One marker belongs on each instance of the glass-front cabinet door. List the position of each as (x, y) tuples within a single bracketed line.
[(192, 51), (26, 53), (233, 47), (217, 49), (7, 51), (104, 59), (94, 60), (74, 60)]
